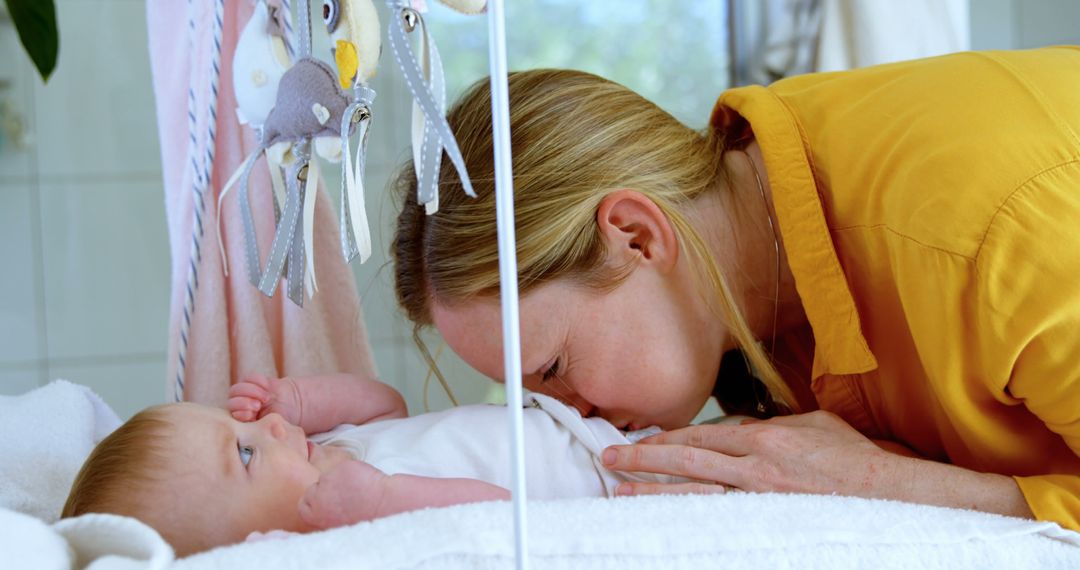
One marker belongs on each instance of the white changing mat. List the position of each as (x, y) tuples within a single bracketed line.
[(47, 432), (739, 530)]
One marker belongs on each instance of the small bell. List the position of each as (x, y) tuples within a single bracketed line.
[(411, 18), (360, 114)]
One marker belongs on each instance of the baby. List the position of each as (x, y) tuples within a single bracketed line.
[(204, 477)]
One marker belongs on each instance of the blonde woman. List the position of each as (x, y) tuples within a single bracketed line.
[(895, 251)]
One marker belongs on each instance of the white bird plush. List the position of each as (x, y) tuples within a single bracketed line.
[(258, 64), (353, 26)]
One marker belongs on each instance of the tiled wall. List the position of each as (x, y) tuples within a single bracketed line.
[(80, 298), (85, 279)]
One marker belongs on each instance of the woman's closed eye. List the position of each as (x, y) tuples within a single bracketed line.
[(246, 453), (551, 372)]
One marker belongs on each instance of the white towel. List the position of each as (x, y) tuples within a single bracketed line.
[(47, 434), (91, 542), (737, 530)]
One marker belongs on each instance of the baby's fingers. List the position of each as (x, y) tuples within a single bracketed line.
[(244, 409), (626, 489), (246, 389)]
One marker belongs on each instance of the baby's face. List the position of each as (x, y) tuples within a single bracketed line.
[(235, 478)]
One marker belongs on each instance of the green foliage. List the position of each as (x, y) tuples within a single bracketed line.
[(35, 20)]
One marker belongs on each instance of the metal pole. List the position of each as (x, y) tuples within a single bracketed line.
[(504, 205)]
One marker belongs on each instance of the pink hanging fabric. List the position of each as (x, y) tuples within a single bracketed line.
[(234, 329)]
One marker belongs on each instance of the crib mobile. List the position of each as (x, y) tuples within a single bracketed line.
[(306, 108)]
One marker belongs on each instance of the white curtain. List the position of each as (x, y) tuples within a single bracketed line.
[(780, 38), (857, 33)]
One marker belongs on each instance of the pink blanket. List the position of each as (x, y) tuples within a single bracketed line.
[(234, 329)]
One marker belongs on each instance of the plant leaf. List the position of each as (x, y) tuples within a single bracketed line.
[(35, 20)]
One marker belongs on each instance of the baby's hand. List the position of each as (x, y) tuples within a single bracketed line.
[(255, 396), (347, 494)]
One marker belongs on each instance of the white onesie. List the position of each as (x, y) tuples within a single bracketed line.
[(562, 449)]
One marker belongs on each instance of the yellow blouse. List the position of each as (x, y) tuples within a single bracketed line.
[(931, 214)]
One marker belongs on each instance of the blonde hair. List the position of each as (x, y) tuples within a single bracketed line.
[(575, 138), (127, 473), (115, 477)]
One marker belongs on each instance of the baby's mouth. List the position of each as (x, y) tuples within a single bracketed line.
[(310, 450)]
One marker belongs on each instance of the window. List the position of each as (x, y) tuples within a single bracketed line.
[(673, 53)]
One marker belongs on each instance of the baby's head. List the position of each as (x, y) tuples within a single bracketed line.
[(199, 477)]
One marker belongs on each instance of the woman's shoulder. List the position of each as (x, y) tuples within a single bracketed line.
[(931, 150)]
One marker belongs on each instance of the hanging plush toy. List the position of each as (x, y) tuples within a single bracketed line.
[(305, 108), (311, 113), (260, 60)]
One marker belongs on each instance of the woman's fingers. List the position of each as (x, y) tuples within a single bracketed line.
[(625, 489), (682, 460), (727, 439)]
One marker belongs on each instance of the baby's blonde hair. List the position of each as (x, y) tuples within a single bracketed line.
[(576, 137), (121, 468), (126, 474)]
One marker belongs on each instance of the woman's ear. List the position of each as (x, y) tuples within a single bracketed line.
[(635, 227)]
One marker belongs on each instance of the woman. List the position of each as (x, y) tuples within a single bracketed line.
[(895, 247)]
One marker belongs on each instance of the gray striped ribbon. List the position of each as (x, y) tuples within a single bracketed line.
[(441, 137), (286, 235), (297, 260), (251, 248), (427, 152)]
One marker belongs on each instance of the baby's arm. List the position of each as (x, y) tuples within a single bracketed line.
[(356, 491), (316, 403)]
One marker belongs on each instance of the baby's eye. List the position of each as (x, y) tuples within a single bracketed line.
[(246, 451)]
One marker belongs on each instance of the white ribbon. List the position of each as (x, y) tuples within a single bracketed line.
[(310, 193)]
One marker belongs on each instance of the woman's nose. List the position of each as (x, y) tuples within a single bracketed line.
[(572, 399), (583, 407), (560, 391)]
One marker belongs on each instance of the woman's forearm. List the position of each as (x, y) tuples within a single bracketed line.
[(932, 483)]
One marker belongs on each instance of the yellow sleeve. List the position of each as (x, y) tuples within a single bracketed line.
[(1028, 298)]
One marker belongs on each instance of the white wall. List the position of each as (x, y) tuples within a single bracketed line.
[(1019, 24), (80, 298)]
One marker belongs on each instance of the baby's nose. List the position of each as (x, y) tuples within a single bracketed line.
[(276, 423)]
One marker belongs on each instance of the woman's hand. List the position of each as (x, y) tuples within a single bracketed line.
[(809, 453), (255, 396)]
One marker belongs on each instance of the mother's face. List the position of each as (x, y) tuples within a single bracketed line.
[(643, 354)]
